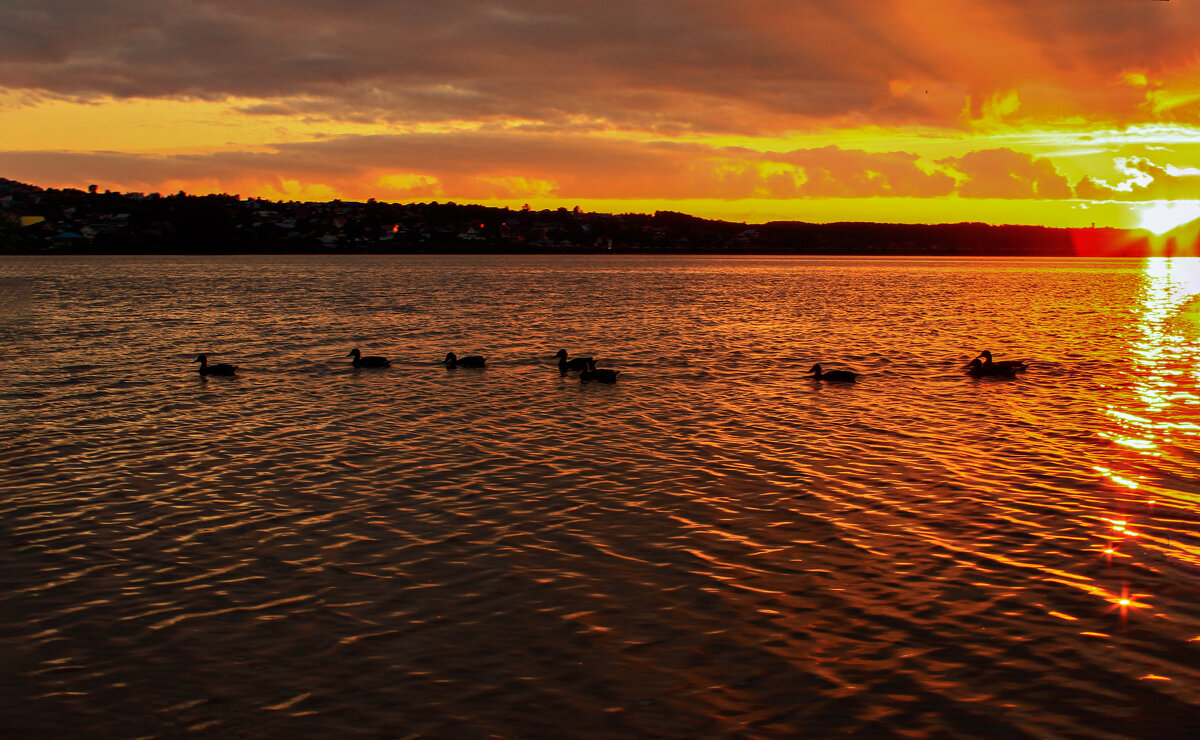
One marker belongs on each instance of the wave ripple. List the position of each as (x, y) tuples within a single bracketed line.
[(715, 546)]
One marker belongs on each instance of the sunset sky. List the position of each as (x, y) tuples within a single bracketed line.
[(1055, 112)]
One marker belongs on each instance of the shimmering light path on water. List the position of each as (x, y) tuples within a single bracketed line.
[(715, 546)]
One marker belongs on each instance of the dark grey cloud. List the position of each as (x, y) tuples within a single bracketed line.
[(669, 65)]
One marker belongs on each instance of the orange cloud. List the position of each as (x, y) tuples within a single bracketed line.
[(1004, 173), (475, 165)]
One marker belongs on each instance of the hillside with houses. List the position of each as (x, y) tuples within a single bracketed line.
[(35, 220)]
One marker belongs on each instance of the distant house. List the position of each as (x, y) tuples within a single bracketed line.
[(91, 231), (67, 239)]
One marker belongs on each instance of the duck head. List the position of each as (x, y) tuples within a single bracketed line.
[(815, 369), (201, 358), (451, 358), (355, 353)]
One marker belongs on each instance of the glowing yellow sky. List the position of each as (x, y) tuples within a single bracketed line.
[(1067, 115)]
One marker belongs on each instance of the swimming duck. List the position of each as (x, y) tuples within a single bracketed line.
[(575, 363), (599, 375), (840, 376), (978, 369), (453, 360), (1017, 366), (369, 361), (206, 369)]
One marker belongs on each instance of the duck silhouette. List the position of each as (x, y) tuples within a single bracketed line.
[(598, 374), (574, 364), (838, 376), (977, 368), (368, 361), (206, 369), (1016, 366), (453, 360)]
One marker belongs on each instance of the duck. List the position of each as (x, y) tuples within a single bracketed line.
[(978, 369), (575, 363), (369, 361), (840, 376), (453, 360), (598, 374), (1017, 366), (206, 369)]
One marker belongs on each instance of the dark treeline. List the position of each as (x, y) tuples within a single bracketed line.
[(70, 221)]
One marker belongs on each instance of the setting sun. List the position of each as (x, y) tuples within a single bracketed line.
[(1163, 216)]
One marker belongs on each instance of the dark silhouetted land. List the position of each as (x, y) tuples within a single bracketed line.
[(36, 220)]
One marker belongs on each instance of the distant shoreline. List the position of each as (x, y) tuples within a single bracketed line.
[(5, 252), (34, 220)]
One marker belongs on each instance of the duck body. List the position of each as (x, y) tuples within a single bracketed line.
[(979, 369), (369, 360), (837, 376), (575, 364), (1014, 366), (453, 360), (598, 374), (221, 369)]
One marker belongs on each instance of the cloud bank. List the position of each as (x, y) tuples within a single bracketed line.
[(750, 65), (508, 166)]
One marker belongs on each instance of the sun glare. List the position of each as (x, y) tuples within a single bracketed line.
[(1161, 216)]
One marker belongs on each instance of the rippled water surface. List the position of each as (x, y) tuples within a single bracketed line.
[(715, 546)]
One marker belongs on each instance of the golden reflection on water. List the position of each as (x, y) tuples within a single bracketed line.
[(1161, 357), (1160, 418)]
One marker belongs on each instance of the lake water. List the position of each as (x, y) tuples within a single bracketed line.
[(714, 546)]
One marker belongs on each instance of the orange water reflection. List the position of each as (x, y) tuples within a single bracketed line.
[(1156, 424)]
